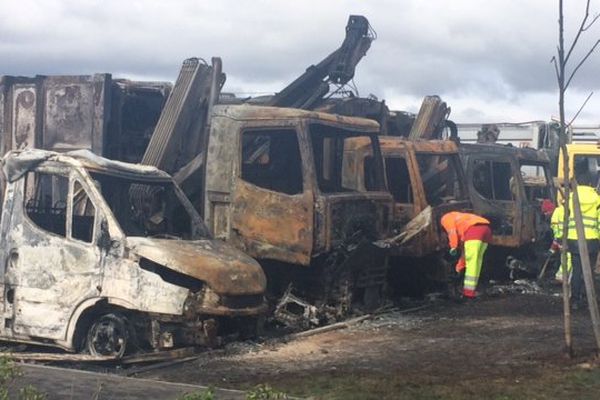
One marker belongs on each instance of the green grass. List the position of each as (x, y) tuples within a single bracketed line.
[(548, 384)]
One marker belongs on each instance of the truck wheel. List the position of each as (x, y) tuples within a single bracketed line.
[(108, 336)]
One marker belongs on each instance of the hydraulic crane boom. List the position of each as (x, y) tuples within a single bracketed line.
[(337, 68)]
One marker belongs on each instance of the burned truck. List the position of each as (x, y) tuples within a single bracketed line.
[(426, 180), (85, 267), (274, 187), (269, 180), (508, 186)]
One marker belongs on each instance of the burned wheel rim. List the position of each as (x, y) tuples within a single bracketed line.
[(108, 336)]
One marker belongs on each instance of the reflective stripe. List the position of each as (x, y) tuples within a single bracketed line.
[(591, 228), (470, 283), (588, 225)]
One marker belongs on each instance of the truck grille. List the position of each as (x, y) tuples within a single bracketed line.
[(356, 218)]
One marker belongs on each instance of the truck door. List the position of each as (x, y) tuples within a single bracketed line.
[(494, 189), (536, 188), (55, 262), (272, 206)]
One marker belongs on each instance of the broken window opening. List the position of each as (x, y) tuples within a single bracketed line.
[(493, 180), (45, 201), (441, 182), (83, 214), (134, 114), (271, 160), (399, 179), (328, 147), (158, 212), (536, 182)]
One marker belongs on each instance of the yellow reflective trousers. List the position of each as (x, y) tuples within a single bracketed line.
[(559, 273), (474, 251)]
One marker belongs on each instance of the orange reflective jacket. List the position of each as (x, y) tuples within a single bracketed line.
[(456, 224)]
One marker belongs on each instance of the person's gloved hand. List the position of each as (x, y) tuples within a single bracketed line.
[(453, 252), (554, 247)]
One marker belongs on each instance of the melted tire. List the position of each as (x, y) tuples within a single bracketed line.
[(108, 336)]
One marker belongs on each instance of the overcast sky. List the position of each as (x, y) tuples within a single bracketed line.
[(489, 60)]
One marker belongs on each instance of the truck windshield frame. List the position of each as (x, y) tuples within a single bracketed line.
[(441, 177), (328, 145), (150, 207)]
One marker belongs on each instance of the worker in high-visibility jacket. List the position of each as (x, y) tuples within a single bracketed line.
[(557, 228), (589, 201), (473, 233)]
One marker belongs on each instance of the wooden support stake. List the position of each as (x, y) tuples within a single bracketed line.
[(588, 277), (544, 267), (565, 245)]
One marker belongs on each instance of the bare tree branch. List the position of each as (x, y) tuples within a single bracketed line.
[(591, 23), (580, 31), (581, 62), (553, 60), (580, 108)]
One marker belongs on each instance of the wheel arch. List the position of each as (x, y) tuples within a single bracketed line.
[(83, 316)]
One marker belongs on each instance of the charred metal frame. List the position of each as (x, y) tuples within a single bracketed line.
[(267, 224)]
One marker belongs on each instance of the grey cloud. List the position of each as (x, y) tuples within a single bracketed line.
[(496, 49)]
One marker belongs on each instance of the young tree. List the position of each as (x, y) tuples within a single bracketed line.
[(564, 76)]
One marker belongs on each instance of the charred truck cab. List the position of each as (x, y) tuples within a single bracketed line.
[(507, 185), (85, 267), (275, 188), (426, 180)]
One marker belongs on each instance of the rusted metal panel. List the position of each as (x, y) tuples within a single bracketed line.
[(75, 112), (93, 112), (219, 174), (267, 224), (59, 112), (24, 111), (275, 116)]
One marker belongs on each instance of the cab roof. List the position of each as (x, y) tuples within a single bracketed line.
[(16, 163), (254, 112), (521, 153)]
